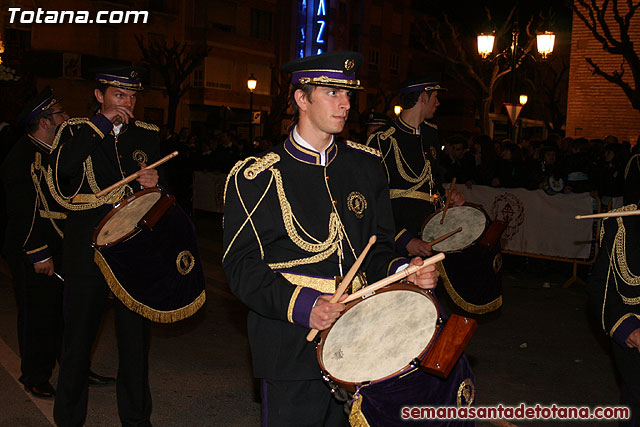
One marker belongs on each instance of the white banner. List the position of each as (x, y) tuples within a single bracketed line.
[(537, 222)]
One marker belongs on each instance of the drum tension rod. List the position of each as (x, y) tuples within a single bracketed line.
[(416, 362), (440, 321)]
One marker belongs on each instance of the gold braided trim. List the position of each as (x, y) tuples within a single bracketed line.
[(81, 202), (461, 302), (33, 251), (365, 148), (433, 125), (261, 164), (118, 83), (52, 215), (71, 122), (140, 308), (327, 286), (622, 319), (411, 194), (321, 249), (147, 126), (91, 176), (424, 176), (324, 80), (356, 417), (385, 134), (41, 200), (292, 303)]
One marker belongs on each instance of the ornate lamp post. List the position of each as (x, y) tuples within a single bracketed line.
[(251, 84), (514, 55)]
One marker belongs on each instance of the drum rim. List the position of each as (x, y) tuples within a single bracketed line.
[(466, 204), (116, 208), (398, 286)]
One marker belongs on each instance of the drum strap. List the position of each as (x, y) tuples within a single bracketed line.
[(325, 285), (411, 194), (52, 215)]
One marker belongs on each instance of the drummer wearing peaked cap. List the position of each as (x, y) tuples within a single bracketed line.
[(410, 154), (33, 243), (295, 218), (614, 291), (91, 154)]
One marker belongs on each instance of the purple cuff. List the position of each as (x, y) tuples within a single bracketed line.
[(625, 328), (396, 264), (40, 255), (402, 240), (303, 305), (102, 123)]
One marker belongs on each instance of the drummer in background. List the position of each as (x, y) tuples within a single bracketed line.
[(410, 151), (295, 218), (375, 121), (614, 294), (92, 154), (33, 245)]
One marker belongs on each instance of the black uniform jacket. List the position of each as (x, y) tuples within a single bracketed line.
[(87, 158), (410, 158), (287, 219), (614, 285), (35, 221)]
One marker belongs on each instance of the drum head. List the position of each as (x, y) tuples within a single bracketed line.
[(379, 336), (122, 220), (472, 221)]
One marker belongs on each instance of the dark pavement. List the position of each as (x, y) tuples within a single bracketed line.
[(539, 349)]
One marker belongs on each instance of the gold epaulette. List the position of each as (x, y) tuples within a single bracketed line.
[(260, 165), (385, 134), (147, 126), (71, 122), (366, 149), (431, 125)]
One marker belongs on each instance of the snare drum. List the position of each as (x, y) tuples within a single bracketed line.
[(472, 220), (146, 249), (379, 347), (471, 272)]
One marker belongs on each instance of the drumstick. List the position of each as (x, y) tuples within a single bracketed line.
[(136, 175), (346, 281), (394, 278), (446, 206), (444, 236), (609, 214)]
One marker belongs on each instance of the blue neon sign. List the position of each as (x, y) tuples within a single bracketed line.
[(313, 25)]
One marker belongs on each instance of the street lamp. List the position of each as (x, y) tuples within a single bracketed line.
[(523, 99), (397, 109), (251, 84), (514, 54)]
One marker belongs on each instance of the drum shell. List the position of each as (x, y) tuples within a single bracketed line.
[(351, 386)]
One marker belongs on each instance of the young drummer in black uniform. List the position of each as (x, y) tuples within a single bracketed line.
[(295, 218), (614, 291), (33, 243), (89, 155), (409, 147)]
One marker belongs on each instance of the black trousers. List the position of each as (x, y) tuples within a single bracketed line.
[(84, 302), (39, 300), (628, 364), (300, 403)]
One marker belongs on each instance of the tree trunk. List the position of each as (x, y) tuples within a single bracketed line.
[(485, 108), (172, 111)]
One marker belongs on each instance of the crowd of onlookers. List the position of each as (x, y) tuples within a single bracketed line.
[(556, 164)]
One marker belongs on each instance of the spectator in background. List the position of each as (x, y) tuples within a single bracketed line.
[(457, 162), (374, 122), (509, 172), (486, 161), (578, 165), (611, 173)]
